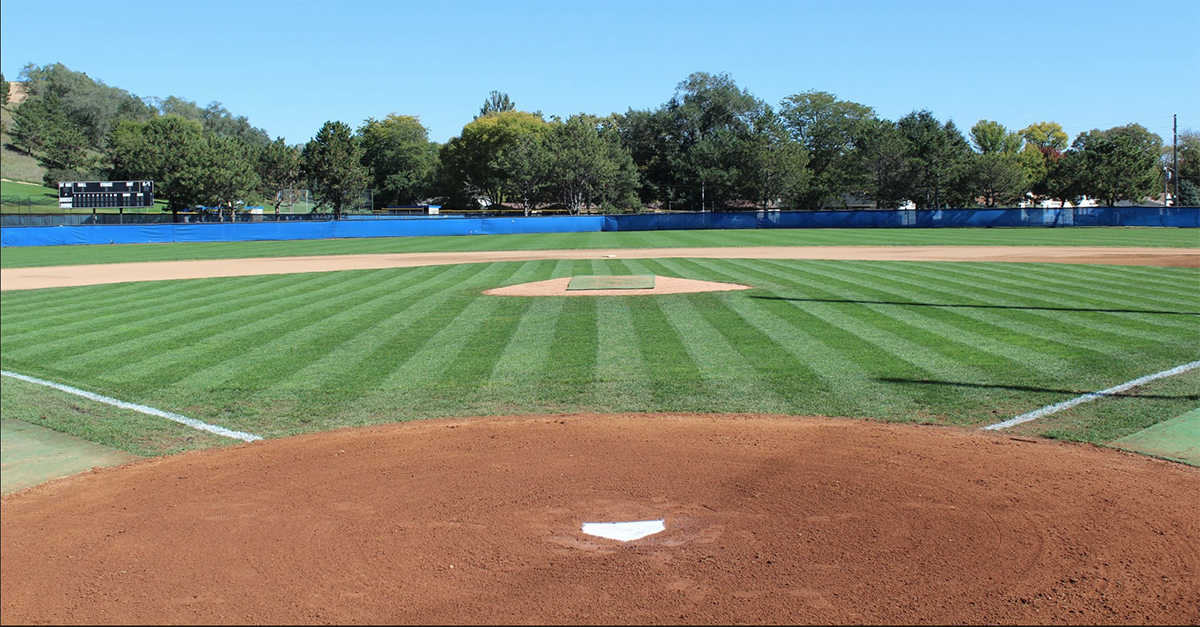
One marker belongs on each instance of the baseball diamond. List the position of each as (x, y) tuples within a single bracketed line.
[(766, 435)]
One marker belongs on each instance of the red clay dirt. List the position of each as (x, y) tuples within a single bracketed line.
[(769, 519)]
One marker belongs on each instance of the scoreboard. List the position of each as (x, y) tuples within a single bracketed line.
[(105, 194)]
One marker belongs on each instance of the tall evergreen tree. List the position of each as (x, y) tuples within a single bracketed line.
[(332, 163)]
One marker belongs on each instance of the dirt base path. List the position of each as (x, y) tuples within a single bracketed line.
[(64, 276), (768, 520)]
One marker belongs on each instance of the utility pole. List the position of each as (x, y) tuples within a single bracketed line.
[(1174, 156)]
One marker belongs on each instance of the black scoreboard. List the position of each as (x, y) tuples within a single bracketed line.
[(105, 194)]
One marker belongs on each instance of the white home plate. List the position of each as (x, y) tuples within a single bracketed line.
[(624, 531)]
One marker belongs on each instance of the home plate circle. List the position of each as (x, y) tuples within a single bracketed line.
[(624, 531)]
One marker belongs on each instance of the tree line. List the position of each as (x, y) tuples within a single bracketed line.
[(713, 146)]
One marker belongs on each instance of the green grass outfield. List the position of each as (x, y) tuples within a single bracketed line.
[(943, 343), (22, 257)]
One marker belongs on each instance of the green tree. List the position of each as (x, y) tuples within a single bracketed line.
[(497, 102), (278, 168), (400, 158), (226, 167), (999, 177), (882, 155), (332, 163), (469, 161), (216, 120), (1044, 146), (1189, 194), (776, 161), (3, 90), (1121, 163), (67, 156), (831, 131), (526, 164), (938, 157), (1045, 135), (992, 137), (168, 150), (35, 120), (1188, 153), (1000, 171), (91, 106), (712, 121), (649, 137), (590, 167)]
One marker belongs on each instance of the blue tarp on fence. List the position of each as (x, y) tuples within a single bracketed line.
[(413, 227), (262, 231)]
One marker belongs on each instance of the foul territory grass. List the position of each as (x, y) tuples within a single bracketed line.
[(964, 344), (21, 257)]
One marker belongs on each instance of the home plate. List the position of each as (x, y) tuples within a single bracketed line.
[(624, 531)]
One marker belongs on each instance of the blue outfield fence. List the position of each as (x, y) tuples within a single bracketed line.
[(67, 234)]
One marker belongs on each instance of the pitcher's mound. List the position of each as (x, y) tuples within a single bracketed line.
[(661, 285)]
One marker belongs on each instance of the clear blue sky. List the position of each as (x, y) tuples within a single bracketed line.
[(291, 66)]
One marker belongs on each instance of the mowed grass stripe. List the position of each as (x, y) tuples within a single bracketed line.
[(705, 369), (1065, 326), (621, 381), (352, 395), (967, 343), (92, 310), (958, 357), (1164, 280), (1020, 352), (1024, 337), (1017, 294), (732, 382), (308, 338), (1049, 303), (423, 379), (179, 328), (964, 348), (306, 346), (518, 373), (188, 367), (1068, 287), (905, 344), (680, 383), (566, 378), (356, 362)]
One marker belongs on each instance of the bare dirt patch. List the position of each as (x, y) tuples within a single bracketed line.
[(662, 285), (768, 520)]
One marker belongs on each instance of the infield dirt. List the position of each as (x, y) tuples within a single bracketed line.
[(769, 519)]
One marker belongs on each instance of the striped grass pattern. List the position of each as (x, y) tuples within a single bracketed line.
[(32, 256), (944, 343)]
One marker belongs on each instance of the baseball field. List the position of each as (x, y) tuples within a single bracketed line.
[(822, 420)]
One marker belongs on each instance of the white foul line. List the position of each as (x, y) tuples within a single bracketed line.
[(1091, 396), (191, 422)]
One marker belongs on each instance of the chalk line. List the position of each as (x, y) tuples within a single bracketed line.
[(1091, 396), (191, 422)]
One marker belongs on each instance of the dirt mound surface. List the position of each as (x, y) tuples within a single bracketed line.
[(768, 520), (662, 285)]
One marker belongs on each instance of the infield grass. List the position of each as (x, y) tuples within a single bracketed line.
[(943, 343), (31, 256)]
